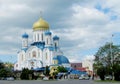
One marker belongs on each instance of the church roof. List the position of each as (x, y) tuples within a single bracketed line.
[(47, 33), (25, 49), (39, 44), (25, 35), (61, 59), (41, 24), (55, 38), (51, 48)]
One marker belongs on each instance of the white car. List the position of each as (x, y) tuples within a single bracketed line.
[(109, 77), (10, 78), (45, 78), (84, 77)]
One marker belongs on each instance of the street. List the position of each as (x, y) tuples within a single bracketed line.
[(53, 82)]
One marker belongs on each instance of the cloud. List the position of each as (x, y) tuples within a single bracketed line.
[(82, 25), (87, 28)]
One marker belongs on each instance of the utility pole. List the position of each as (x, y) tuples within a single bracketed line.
[(112, 59)]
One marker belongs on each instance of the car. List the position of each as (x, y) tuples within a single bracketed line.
[(109, 77), (10, 78), (3, 78), (45, 78), (84, 77)]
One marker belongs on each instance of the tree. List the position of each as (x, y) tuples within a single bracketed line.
[(1, 65), (61, 69), (3, 72), (47, 71), (8, 66), (26, 74), (117, 71), (101, 72), (107, 56)]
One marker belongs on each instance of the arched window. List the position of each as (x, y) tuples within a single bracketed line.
[(22, 57), (16, 65), (47, 40), (46, 56), (38, 54), (33, 54), (29, 55), (42, 36), (55, 44), (38, 37), (24, 43), (32, 63), (35, 37)]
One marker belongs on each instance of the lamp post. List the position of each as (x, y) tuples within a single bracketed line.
[(112, 59)]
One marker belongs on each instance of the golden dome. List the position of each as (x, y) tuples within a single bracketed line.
[(41, 25)]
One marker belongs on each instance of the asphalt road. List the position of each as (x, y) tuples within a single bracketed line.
[(53, 82)]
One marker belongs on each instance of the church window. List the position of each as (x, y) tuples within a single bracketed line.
[(29, 55), (22, 57), (55, 44), (38, 37), (34, 54), (46, 56), (47, 40), (42, 36), (24, 43), (32, 63), (38, 54), (35, 37), (16, 65)]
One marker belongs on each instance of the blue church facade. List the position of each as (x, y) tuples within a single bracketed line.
[(43, 51)]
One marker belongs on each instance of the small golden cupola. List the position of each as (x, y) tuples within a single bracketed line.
[(41, 24)]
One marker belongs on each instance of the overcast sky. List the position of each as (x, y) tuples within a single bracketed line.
[(82, 25)]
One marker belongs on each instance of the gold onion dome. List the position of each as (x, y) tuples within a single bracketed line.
[(41, 24)]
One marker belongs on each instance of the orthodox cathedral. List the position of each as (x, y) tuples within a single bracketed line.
[(43, 51)]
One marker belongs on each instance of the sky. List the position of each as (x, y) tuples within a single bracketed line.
[(82, 25)]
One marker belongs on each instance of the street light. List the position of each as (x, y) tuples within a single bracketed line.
[(111, 57)]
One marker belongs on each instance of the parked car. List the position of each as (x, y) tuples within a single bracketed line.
[(84, 77), (45, 78), (109, 77), (3, 78), (10, 78)]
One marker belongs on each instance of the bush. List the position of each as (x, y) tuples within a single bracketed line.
[(3, 72), (101, 73), (117, 72), (26, 73)]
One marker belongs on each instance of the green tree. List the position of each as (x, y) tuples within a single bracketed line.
[(61, 69), (107, 56), (47, 71), (26, 74), (1, 65), (117, 71), (101, 72), (3, 72), (8, 65)]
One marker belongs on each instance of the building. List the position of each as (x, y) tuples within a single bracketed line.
[(76, 65), (88, 64), (43, 51)]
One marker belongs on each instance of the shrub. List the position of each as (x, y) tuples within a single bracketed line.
[(117, 72), (26, 73), (101, 73)]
